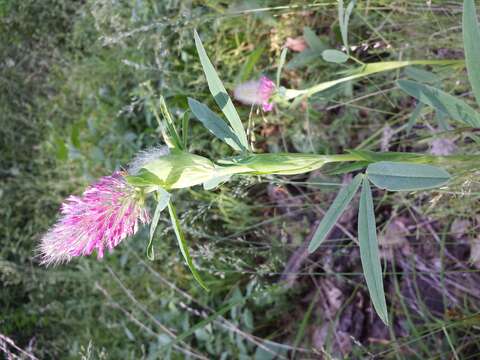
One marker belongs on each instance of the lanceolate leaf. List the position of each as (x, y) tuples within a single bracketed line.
[(369, 254), (215, 124), (333, 214), (398, 176), (163, 197), (220, 94), (182, 243), (471, 42), (440, 100), (344, 18)]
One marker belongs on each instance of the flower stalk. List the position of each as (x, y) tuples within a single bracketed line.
[(360, 72)]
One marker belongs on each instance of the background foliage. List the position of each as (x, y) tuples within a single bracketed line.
[(79, 81)]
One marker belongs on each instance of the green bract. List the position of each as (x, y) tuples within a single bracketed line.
[(174, 171)]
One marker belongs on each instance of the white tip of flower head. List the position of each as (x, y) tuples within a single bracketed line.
[(247, 92), (146, 156), (256, 92)]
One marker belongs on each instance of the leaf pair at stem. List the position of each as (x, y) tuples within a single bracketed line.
[(386, 175)]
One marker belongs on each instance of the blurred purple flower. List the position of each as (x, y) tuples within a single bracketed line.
[(106, 213), (443, 147), (256, 92)]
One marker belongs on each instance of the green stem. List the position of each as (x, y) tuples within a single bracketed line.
[(363, 71), (295, 163)]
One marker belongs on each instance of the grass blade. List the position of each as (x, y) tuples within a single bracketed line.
[(185, 128), (172, 132), (281, 63), (341, 21), (163, 197), (220, 94), (248, 66), (215, 124), (397, 176), (440, 100), (182, 243), (369, 254), (471, 43), (333, 214)]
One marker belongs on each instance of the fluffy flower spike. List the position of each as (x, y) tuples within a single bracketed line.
[(256, 92), (106, 213)]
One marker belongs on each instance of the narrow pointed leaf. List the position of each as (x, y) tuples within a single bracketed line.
[(171, 131), (440, 100), (163, 197), (182, 243), (249, 65), (398, 176), (344, 19), (185, 128), (471, 42), (333, 214), (215, 124), (220, 94), (341, 19), (369, 254)]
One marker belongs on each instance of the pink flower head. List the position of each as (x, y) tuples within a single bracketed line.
[(106, 213), (256, 92)]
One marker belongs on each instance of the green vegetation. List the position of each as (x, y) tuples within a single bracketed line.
[(82, 87)]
